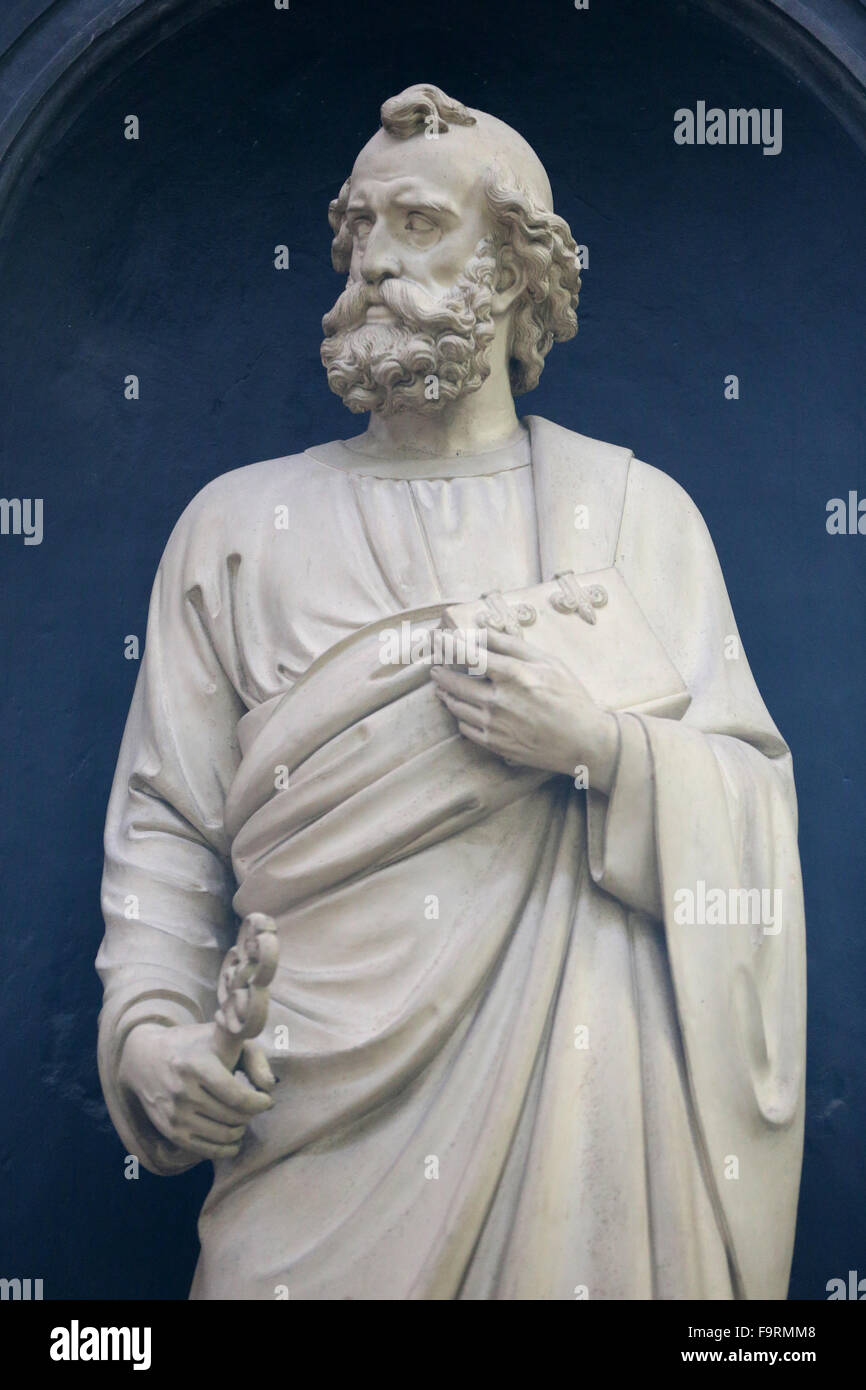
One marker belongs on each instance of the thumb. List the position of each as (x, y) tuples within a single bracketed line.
[(255, 1064)]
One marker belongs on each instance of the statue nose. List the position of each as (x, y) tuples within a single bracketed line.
[(380, 261), (377, 271)]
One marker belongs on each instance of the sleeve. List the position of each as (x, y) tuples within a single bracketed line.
[(167, 884), (621, 827), (705, 808), (666, 555)]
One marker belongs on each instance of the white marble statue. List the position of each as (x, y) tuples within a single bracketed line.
[(523, 1040)]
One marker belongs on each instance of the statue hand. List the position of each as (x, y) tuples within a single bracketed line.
[(531, 710), (186, 1091)]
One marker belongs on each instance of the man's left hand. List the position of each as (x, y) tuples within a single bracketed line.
[(531, 710)]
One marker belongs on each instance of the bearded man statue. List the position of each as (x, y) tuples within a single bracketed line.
[(527, 1037)]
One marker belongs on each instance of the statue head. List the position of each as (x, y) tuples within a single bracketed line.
[(457, 264)]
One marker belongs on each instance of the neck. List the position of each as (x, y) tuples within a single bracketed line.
[(473, 424)]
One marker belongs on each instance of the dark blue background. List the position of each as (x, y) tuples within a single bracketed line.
[(156, 258)]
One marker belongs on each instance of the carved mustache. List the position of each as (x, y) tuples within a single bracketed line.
[(415, 307)]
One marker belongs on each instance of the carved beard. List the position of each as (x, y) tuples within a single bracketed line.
[(386, 367)]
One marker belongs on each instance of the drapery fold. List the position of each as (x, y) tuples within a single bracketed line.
[(509, 1066)]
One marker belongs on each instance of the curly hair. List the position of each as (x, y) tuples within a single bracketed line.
[(541, 242)]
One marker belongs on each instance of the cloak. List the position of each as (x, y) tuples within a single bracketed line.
[(510, 1066)]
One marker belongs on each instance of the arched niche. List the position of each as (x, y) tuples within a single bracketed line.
[(115, 481), (56, 52)]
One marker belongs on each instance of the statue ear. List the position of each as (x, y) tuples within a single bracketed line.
[(510, 280)]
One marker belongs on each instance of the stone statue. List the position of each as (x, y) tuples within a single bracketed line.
[(536, 1022)]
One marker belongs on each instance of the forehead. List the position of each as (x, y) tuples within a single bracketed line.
[(448, 169)]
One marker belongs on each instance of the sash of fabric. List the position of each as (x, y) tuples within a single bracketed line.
[(376, 770), (345, 856)]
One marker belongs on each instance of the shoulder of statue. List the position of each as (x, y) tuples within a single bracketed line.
[(575, 447), (652, 483), (653, 490), (580, 487), (242, 488), (665, 516), (608, 484), (232, 503)]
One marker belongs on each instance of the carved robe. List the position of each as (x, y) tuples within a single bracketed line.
[(508, 1068)]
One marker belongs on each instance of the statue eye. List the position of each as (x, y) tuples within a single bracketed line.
[(361, 225), (417, 222)]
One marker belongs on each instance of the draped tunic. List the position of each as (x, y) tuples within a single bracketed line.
[(507, 1068)]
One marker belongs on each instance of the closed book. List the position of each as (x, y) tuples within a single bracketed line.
[(595, 626)]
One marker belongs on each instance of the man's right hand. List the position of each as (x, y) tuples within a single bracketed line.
[(187, 1093)]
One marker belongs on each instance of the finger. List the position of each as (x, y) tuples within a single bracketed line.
[(471, 731), (207, 1149), (462, 687), (234, 1091), (494, 665), (215, 1133), (502, 668), (203, 1103), (489, 743), (470, 714), (468, 652), (256, 1066)]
